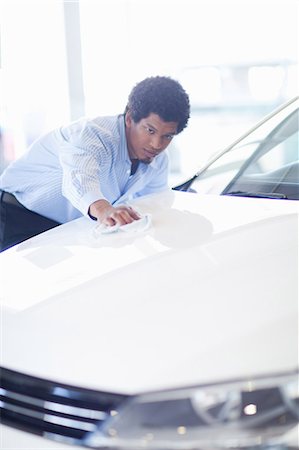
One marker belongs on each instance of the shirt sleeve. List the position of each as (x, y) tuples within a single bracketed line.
[(81, 153)]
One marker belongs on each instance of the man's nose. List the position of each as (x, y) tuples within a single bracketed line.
[(157, 143)]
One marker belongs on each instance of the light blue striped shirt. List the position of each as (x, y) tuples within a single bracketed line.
[(66, 170)]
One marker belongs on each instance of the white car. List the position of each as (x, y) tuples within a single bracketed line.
[(177, 333)]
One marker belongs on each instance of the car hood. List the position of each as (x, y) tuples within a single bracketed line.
[(206, 294)]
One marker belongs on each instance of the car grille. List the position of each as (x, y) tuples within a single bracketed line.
[(53, 410)]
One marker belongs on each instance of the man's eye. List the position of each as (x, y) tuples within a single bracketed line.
[(169, 137), (149, 130)]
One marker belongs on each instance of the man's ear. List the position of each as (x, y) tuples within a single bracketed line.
[(128, 119)]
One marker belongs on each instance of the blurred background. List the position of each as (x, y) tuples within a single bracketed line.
[(61, 60)]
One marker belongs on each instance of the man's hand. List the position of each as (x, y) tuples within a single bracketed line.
[(110, 215)]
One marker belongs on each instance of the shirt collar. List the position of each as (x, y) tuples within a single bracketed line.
[(154, 164)]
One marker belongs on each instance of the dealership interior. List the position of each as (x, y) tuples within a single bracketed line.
[(149, 224), (99, 51)]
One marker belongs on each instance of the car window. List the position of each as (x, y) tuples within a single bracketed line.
[(266, 152), (218, 175), (273, 167)]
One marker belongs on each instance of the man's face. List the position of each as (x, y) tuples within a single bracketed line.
[(149, 137)]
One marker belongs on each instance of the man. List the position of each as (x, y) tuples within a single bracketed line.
[(94, 167)]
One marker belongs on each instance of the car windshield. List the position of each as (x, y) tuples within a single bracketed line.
[(262, 164), (272, 170)]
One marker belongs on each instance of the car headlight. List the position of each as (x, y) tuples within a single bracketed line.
[(260, 413)]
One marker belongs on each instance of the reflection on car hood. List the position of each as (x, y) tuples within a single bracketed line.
[(206, 293)]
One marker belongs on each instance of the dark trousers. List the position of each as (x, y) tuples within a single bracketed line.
[(18, 223)]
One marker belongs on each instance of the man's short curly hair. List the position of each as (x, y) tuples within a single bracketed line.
[(160, 95)]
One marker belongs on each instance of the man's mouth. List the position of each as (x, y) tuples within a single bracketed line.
[(150, 153)]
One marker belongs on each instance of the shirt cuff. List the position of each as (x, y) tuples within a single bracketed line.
[(87, 200)]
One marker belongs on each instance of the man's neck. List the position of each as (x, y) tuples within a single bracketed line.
[(134, 166)]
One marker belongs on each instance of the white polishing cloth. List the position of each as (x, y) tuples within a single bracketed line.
[(136, 226)]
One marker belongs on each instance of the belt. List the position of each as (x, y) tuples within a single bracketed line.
[(10, 199)]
